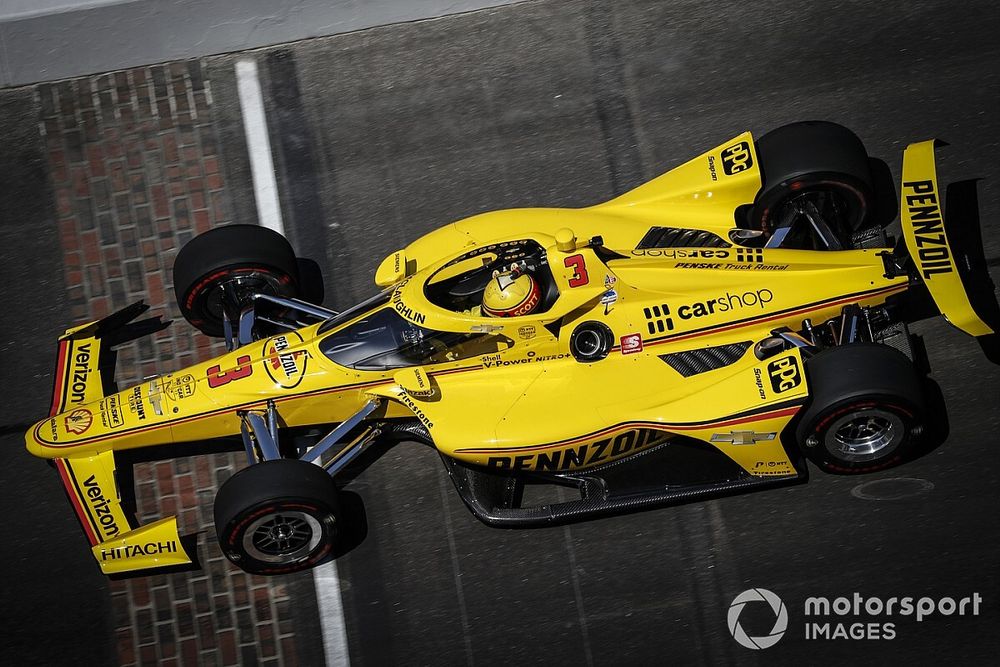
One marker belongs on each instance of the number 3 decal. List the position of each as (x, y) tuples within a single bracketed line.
[(579, 267), (217, 377)]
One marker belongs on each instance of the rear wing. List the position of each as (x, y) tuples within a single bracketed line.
[(930, 248)]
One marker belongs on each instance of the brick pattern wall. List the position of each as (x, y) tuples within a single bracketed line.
[(134, 165)]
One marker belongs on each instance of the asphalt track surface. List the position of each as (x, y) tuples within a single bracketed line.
[(409, 127)]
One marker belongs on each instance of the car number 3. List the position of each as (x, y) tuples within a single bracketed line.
[(580, 277), (217, 377)]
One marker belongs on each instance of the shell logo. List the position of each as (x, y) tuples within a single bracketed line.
[(79, 420)]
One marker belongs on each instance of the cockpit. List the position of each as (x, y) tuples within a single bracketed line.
[(460, 284), (383, 340)]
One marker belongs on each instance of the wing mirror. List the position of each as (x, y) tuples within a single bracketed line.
[(392, 269)]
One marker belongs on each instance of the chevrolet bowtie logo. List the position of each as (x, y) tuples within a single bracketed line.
[(742, 437)]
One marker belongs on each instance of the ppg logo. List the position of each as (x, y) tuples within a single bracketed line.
[(784, 374), (736, 158)]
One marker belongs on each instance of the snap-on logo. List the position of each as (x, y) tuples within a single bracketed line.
[(784, 374), (736, 158)]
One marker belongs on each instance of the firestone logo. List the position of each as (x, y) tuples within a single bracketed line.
[(780, 618)]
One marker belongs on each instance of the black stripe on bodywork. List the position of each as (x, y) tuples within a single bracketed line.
[(67, 374)]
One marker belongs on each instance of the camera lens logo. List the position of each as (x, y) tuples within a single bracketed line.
[(780, 622)]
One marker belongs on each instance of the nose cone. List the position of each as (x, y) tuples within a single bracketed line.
[(52, 437), (33, 442)]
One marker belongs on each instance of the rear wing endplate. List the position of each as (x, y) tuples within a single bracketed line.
[(922, 218)]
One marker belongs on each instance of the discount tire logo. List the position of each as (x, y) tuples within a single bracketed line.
[(780, 618)]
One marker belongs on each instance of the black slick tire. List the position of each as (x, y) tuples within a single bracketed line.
[(812, 159), (867, 408), (277, 517), (248, 257)]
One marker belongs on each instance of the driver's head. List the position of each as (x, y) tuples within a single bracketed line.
[(511, 293)]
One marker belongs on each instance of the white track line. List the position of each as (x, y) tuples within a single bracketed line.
[(331, 614), (265, 188)]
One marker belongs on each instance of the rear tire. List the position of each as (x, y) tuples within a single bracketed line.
[(277, 517), (867, 410), (231, 260), (815, 161)]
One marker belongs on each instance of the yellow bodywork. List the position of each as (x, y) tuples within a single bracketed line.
[(527, 403)]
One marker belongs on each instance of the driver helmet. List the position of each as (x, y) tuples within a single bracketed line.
[(510, 294)]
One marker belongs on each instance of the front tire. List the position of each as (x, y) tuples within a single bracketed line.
[(277, 517), (867, 410), (226, 265)]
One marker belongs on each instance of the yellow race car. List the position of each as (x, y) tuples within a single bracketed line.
[(703, 334)]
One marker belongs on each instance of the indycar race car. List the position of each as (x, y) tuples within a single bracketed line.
[(704, 334)]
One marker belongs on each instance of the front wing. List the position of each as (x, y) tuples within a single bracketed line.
[(116, 543), (85, 374)]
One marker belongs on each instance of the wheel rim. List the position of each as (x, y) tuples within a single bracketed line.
[(840, 205), (866, 435), (250, 282), (282, 537)]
